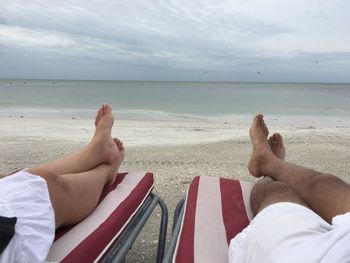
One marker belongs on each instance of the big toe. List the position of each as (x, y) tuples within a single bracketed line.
[(99, 115), (258, 120), (259, 127), (107, 109)]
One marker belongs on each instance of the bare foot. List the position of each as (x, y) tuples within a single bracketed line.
[(102, 143), (277, 146), (104, 117), (262, 153), (118, 160)]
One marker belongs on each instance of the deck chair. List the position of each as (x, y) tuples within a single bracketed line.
[(108, 233), (213, 212)]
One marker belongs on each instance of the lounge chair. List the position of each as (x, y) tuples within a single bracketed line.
[(108, 233), (212, 213)]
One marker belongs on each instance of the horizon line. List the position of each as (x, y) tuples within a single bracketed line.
[(181, 81)]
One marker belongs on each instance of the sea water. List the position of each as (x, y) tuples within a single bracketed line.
[(170, 100)]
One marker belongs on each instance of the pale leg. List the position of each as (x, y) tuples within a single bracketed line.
[(101, 149), (74, 196), (75, 182)]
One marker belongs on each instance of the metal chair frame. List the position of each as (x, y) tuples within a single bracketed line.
[(120, 248)]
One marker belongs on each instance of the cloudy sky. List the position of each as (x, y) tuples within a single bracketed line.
[(199, 40)]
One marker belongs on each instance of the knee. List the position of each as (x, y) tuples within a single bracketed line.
[(54, 183), (260, 191), (271, 193)]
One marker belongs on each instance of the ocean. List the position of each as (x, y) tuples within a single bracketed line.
[(170, 100)]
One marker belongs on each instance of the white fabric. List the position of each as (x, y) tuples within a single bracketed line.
[(288, 232), (211, 238), (26, 197)]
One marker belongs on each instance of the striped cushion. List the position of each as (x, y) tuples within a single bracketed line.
[(88, 240), (216, 210)]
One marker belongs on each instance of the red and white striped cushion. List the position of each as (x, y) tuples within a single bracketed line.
[(88, 240), (216, 210)]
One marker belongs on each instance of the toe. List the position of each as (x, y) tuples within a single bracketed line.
[(257, 123), (119, 144), (99, 112), (258, 119), (259, 116), (107, 109), (278, 138)]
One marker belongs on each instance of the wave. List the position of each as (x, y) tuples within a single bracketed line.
[(148, 115), (137, 114)]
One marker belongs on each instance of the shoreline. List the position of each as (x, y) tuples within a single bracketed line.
[(135, 133)]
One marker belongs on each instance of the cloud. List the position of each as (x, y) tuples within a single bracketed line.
[(178, 35)]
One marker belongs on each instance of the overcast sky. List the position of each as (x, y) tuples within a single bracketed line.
[(198, 40)]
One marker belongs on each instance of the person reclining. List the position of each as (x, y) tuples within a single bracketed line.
[(300, 215), (58, 193)]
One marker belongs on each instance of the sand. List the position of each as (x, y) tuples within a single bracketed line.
[(177, 151)]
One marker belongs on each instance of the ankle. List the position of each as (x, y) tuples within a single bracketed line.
[(274, 167), (269, 165)]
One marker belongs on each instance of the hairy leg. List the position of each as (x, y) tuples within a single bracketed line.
[(326, 194), (267, 191), (100, 150), (74, 196)]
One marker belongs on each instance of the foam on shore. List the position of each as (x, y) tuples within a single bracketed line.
[(167, 132)]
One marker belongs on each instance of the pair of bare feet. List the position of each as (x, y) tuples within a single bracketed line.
[(265, 150), (111, 150), (108, 150)]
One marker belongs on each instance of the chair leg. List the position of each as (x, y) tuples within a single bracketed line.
[(178, 215), (178, 211), (162, 230), (118, 252)]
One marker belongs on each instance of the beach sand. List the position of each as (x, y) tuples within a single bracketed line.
[(177, 151)]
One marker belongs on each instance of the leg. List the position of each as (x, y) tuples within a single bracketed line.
[(101, 149), (74, 196), (267, 191), (326, 194)]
